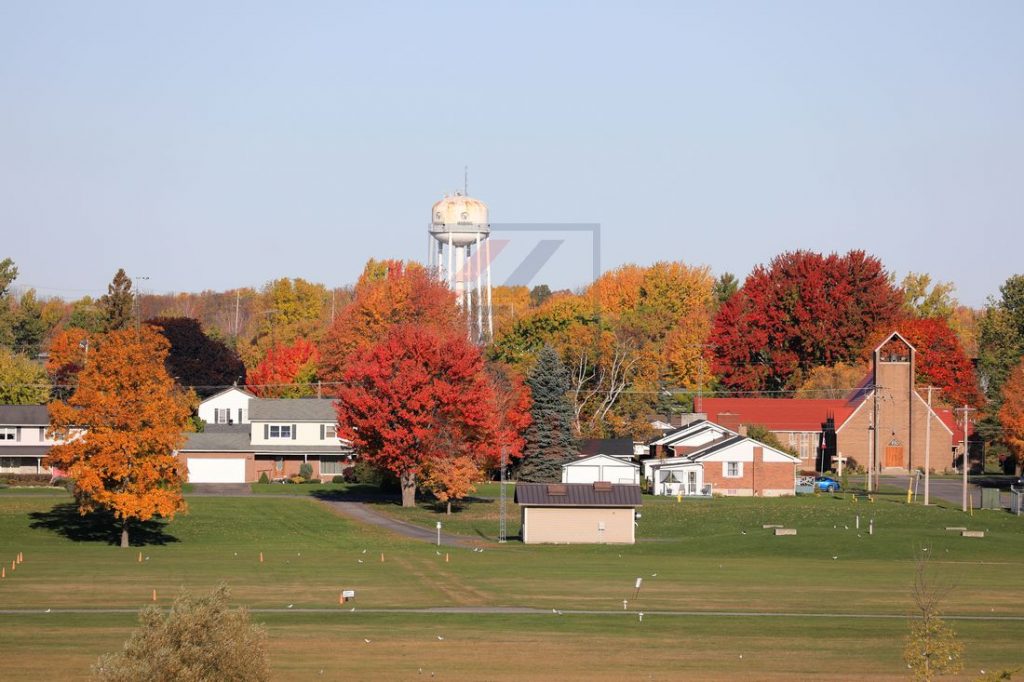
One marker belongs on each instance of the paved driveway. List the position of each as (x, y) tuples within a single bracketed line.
[(221, 489), (364, 513)]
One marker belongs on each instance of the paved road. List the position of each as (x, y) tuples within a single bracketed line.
[(366, 514), (943, 489), (506, 610)]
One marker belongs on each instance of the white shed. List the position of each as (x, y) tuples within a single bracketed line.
[(601, 468)]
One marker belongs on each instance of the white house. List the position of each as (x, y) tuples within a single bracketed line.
[(601, 468), (230, 406), (24, 441), (736, 466), (281, 436)]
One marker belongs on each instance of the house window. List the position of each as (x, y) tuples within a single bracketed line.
[(331, 431), (9, 463), (279, 464), (331, 466), (280, 431), (732, 469), (221, 416), (8, 433)]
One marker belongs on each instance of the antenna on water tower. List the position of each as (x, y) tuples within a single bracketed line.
[(465, 181)]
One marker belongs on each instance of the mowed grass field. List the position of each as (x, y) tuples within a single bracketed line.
[(694, 557)]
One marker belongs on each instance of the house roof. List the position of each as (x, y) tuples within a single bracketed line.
[(621, 447), (780, 414), (292, 409), (896, 335), (616, 460), (718, 446), (234, 440), (578, 495), (691, 428), (24, 415), (24, 450), (229, 389)]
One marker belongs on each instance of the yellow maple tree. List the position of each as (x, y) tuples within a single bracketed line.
[(122, 427)]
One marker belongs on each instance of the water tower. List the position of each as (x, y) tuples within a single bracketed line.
[(460, 253)]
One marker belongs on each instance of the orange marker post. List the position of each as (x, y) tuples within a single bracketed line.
[(382, 557), (3, 572), (341, 599), (154, 595), (446, 557), (14, 565), (140, 557), (261, 557)]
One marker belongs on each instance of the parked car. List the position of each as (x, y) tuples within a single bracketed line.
[(826, 484)]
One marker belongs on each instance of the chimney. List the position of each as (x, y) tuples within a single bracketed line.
[(742, 430)]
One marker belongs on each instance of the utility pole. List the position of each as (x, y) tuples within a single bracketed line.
[(928, 448), (965, 464)]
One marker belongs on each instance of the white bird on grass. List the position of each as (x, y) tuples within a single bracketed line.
[(440, 638), (291, 606), (359, 560), (366, 640), (834, 557), (654, 575), (48, 610), (352, 609)]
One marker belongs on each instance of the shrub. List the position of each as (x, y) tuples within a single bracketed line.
[(339, 478), (201, 638), (296, 479), (306, 471), (348, 474), (264, 478), (26, 479)]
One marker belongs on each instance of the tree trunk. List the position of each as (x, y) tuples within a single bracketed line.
[(408, 479), (124, 533), (448, 511)]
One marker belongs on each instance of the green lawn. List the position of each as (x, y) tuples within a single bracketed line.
[(707, 556)]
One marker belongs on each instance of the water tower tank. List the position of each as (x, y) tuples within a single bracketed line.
[(459, 220)]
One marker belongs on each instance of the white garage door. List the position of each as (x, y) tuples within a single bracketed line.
[(582, 474), (216, 470)]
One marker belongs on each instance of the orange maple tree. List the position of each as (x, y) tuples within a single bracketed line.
[(451, 479), (1011, 415), (122, 426), (388, 293), (68, 352)]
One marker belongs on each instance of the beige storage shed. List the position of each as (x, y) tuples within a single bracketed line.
[(574, 513)]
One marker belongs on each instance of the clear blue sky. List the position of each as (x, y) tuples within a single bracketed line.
[(215, 144)]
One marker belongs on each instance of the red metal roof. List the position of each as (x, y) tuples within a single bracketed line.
[(777, 414)]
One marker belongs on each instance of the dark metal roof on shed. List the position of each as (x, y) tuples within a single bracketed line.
[(24, 415), (292, 409), (578, 495)]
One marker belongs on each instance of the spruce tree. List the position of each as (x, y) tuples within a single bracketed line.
[(8, 273), (117, 302), (29, 326), (549, 438)]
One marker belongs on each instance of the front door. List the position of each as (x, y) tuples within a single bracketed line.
[(894, 454), (691, 483)]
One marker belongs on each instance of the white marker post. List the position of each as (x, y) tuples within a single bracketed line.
[(438, 533)]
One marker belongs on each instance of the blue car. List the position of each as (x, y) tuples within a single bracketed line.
[(826, 484)]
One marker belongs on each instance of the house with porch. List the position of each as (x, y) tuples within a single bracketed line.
[(736, 466), (280, 436)]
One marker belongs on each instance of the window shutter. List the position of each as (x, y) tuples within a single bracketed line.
[(294, 431), (17, 436), (239, 415), (266, 431), (322, 428)]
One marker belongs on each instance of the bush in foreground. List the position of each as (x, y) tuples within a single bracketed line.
[(201, 639)]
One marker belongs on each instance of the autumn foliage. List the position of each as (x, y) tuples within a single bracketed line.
[(451, 479), (801, 311), (126, 419), (417, 396), (287, 371), (66, 358), (1011, 414), (941, 361), (388, 293)]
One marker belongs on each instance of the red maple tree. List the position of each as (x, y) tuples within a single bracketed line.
[(418, 395), (803, 310), (941, 360), (287, 371)]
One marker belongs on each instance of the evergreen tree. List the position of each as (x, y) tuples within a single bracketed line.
[(29, 326), (117, 302), (549, 438), (1000, 348)]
